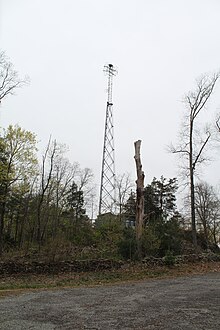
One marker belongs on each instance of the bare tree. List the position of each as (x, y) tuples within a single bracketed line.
[(46, 177), (195, 102), (9, 79), (207, 210), (64, 175), (85, 183), (124, 186)]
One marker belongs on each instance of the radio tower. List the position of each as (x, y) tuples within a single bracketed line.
[(107, 188)]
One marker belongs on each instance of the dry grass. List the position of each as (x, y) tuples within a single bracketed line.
[(131, 272)]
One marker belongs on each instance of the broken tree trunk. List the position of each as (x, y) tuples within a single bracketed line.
[(140, 196)]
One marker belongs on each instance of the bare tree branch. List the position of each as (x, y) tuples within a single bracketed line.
[(9, 79), (200, 151), (217, 124), (198, 99)]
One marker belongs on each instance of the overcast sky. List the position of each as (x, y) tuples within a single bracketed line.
[(159, 47)]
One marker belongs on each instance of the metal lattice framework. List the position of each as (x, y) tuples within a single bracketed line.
[(107, 188)]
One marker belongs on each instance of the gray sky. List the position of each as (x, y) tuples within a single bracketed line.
[(159, 48)]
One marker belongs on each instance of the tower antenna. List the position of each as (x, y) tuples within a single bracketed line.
[(107, 187)]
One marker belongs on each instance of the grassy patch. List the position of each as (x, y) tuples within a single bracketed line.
[(138, 272)]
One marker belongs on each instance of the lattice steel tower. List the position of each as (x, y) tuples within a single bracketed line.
[(107, 188)]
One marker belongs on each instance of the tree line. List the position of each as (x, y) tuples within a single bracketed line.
[(37, 199), (46, 201)]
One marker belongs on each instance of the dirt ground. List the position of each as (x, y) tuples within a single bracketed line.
[(189, 302)]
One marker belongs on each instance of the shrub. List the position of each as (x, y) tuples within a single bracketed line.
[(170, 236), (150, 242), (127, 247), (169, 259)]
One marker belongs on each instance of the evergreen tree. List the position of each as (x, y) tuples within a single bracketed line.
[(160, 199), (75, 203), (129, 210)]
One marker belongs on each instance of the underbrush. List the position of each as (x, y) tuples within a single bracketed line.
[(129, 272)]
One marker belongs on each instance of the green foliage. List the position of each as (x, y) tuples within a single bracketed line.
[(20, 148), (150, 243), (169, 234), (169, 258), (109, 232), (129, 210), (160, 198), (62, 217), (81, 234), (162, 220), (18, 163), (127, 246), (162, 229), (75, 202)]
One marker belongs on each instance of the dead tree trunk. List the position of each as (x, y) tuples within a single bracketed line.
[(140, 196)]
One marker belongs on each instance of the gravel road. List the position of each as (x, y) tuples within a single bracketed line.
[(191, 302)]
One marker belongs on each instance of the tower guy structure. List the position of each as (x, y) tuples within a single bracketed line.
[(108, 179)]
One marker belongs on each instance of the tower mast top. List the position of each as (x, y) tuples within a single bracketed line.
[(110, 71)]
